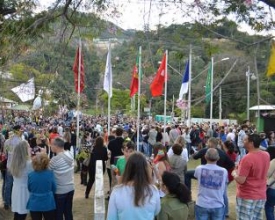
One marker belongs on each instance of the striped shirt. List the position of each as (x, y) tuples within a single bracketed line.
[(63, 167)]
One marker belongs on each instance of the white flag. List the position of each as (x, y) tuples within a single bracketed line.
[(25, 91), (108, 76), (37, 103)]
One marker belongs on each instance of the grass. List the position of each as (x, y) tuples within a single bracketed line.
[(192, 164)]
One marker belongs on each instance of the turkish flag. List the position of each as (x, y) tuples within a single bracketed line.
[(158, 81)]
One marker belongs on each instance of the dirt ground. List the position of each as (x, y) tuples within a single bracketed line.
[(83, 209)]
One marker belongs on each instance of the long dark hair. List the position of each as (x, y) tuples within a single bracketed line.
[(229, 146), (137, 172), (175, 187), (99, 142)]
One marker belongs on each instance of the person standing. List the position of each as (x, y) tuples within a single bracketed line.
[(9, 146), (250, 177), (212, 181), (115, 146), (174, 205), (42, 186), (99, 153), (152, 137), (241, 137), (20, 168), (136, 197), (62, 166), (270, 192), (173, 134)]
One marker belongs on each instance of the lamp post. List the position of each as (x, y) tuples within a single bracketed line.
[(253, 77)]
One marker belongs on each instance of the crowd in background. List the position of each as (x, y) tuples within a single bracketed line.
[(38, 160)]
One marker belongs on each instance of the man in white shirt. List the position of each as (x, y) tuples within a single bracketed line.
[(231, 135), (212, 180)]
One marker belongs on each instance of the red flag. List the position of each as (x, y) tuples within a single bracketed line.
[(75, 69), (158, 81), (134, 83)]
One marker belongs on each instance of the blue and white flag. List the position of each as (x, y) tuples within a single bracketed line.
[(108, 76), (185, 82)]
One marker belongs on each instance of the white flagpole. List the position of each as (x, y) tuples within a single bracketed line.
[(165, 90), (78, 93), (139, 86), (189, 87), (211, 100), (109, 93)]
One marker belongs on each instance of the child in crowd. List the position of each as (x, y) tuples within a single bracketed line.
[(128, 149)]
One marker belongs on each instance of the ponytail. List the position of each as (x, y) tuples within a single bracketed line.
[(175, 187), (183, 193)]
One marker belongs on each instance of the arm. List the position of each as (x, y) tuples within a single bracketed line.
[(237, 178), (112, 213), (53, 183), (199, 154), (241, 174)]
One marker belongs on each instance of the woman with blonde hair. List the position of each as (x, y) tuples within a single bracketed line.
[(20, 168), (136, 195), (42, 186)]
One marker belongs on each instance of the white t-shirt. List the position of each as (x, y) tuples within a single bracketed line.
[(184, 153), (211, 183)]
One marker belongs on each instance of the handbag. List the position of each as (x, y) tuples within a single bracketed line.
[(87, 161)]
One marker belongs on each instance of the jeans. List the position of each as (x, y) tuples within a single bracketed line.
[(3, 173), (270, 203), (8, 188), (64, 206), (209, 213), (188, 147), (187, 178), (145, 149), (225, 197), (242, 152)]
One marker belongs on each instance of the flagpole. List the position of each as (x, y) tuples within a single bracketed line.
[(189, 87), (211, 100), (139, 86), (165, 90), (109, 96), (78, 92)]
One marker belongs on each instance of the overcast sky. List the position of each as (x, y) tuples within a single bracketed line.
[(138, 14)]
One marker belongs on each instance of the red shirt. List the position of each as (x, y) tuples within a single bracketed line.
[(233, 157), (254, 167)]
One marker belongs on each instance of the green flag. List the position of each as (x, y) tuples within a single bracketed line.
[(208, 84)]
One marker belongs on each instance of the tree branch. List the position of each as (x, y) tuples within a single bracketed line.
[(270, 3)]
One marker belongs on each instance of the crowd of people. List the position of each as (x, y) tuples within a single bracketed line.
[(38, 162)]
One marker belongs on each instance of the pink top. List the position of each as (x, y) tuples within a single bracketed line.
[(254, 167)]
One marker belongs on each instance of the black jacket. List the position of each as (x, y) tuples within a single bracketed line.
[(115, 146)]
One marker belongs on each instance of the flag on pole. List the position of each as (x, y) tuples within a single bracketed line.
[(158, 81), (108, 76), (271, 63), (25, 91), (185, 81), (78, 56), (208, 84), (134, 83)]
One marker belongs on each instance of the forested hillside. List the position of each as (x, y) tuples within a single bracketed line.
[(50, 57)]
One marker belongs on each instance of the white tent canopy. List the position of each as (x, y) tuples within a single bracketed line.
[(262, 107)]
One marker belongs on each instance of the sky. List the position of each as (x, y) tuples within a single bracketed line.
[(141, 14)]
